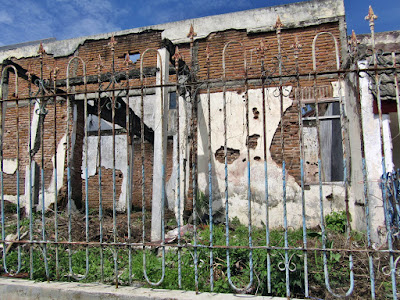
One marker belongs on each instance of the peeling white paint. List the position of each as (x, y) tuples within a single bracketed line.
[(237, 171), (373, 157), (107, 160), (34, 125), (120, 144), (10, 165), (50, 195)]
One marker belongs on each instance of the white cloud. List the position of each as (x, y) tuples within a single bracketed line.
[(39, 19), (5, 18)]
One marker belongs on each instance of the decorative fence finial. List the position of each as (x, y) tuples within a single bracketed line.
[(208, 53), (41, 50), (278, 24), (353, 42), (191, 33), (112, 43), (177, 56), (261, 49), (56, 70), (99, 64), (127, 61), (371, 17), (296, 46)]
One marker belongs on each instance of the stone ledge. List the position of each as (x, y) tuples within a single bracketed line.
[(13, 289)]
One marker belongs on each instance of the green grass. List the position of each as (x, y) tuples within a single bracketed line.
[(239, 261)]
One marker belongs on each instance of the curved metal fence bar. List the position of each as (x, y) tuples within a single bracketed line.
[(129, 164), (85, 104), (114, 105), (262, 50), (278, 26), (226, 171), (326, 272), (4, 73), (143, 171), (99, 67), (297, 49)]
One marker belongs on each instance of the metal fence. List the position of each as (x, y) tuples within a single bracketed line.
[(208, 250)]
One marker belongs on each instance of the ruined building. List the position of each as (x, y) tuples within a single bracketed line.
[(250, 110)]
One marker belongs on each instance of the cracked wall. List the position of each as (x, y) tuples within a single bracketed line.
[(237, 162)]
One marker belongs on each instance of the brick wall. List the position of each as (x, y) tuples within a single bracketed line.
[(107, 179), (54, 129), (291, 148), (90, 51)]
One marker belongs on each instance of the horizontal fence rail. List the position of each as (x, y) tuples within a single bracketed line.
[(237, 178)]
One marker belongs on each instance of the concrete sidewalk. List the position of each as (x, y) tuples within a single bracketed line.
[(12, 289)]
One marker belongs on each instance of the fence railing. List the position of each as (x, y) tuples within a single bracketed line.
[(245, 182)]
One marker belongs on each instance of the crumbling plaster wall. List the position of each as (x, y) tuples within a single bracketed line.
[(261, 20), (333, 193)]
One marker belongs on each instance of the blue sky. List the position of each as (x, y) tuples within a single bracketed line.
[(28, 20)]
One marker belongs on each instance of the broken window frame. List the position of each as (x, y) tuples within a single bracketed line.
[(331, 165)]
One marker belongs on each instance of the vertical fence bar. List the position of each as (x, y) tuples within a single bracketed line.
[(210, 188), (86, 162), (193, 153), (177, 56), (129, 164), (68, 158), (297, 47), (30, 176), (142, 152), (71, 272), (55, 72), (18, 178), (316, 96), (143, 172), (112, 44), (98, 166), (262, 50), (371, 17), (42, 111), (278, 27), (246, 93), (4, 98), (226, 171)]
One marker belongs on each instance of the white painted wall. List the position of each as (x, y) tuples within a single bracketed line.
[(373, 156)]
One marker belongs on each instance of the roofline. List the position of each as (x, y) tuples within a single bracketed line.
[(308, 13)]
